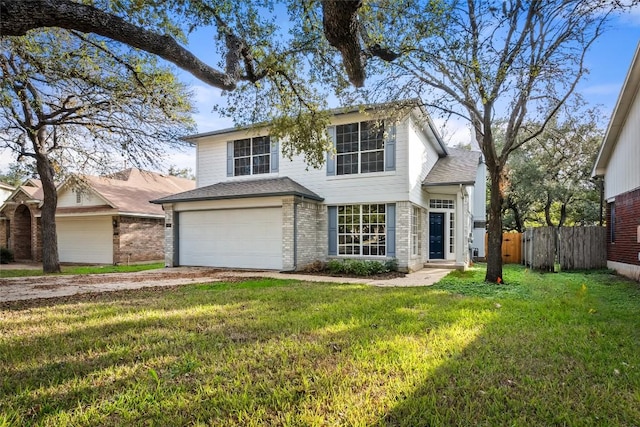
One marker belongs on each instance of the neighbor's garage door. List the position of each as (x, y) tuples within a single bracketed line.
[(85, 240), (236, 238)]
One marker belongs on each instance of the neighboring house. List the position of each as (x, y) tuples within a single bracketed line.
[(618, 163), (392, 191), (101, 220), (5, 191)]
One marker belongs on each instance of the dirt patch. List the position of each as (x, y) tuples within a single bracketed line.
[(50, 282)]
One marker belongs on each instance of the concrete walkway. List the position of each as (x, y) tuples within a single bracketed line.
[(34, 287)]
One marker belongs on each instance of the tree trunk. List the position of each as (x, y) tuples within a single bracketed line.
[(563, 215), (494, 229), (50, 259), (547, 211)]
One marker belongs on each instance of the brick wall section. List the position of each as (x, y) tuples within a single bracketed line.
[(36, 240), (21, 233), (311, 243), (141, 239), (626, 248), (169, 234), (4, 232), (403, 237)]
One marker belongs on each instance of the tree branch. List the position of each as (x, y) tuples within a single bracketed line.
[(20, 16)]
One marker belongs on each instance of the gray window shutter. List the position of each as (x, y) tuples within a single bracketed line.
[(333, 230), (331, 157), (390, 148), (229, 158), (275, 154), (391, 230)]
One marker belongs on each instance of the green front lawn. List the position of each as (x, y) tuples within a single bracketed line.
[(554, 349), (83, 269)]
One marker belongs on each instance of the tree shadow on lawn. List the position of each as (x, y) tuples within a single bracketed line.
[(296, 340), (285, 352), (569, 358)]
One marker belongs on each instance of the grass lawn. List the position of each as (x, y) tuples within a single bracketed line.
[(553, 349), (83, 269)]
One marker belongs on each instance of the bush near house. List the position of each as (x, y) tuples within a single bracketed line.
[(361, 267), (6, 256)]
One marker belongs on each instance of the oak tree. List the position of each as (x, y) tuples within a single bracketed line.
[(72, 101)]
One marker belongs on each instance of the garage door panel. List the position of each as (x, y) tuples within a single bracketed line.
[(85, 240), (234, 238)]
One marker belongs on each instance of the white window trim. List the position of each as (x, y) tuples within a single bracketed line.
[(361, 243), (359, 152), (251, 157)]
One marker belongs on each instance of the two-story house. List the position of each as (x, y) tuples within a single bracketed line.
[(617, 164), (390, 189)]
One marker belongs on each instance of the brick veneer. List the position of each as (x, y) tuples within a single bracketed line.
[(139, 239), (626, 248)]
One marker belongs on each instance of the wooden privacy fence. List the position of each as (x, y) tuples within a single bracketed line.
[(573, 248), (511, 247)]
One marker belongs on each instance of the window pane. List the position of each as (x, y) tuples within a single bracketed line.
[(371, 136), (261, 145), (347, 138), (241, 148), (242, 166), (372, 161), (347, 164), (260, 164)]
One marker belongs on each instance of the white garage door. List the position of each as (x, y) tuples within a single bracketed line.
[(85, 240), (235, 238)]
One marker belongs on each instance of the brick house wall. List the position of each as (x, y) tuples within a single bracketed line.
[(4, 232), (138, 239), (21, 233), (625, 249)]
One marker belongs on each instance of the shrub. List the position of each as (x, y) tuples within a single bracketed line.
[(335, 266), (361, 267), (6, 256)]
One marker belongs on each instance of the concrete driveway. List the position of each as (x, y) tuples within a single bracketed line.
[(34, 287)]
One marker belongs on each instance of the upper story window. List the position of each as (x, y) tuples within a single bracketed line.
[(251, 156), (78, 196), (359, 148)]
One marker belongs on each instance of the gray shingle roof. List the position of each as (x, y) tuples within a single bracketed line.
[(459, 167), (243, 189)]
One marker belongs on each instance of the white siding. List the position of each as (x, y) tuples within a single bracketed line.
[(623, 172), (389, 186), (422, 158), (67, 198), (85, 240)]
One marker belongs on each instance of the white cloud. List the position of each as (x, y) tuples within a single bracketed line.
[(602, 89), (205, 98), (454, 131)]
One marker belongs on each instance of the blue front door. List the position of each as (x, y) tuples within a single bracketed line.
[(436, 235)]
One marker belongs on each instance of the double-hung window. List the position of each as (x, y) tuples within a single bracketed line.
[(251, 156), (362, 230), (416, 232), (359, 148)]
